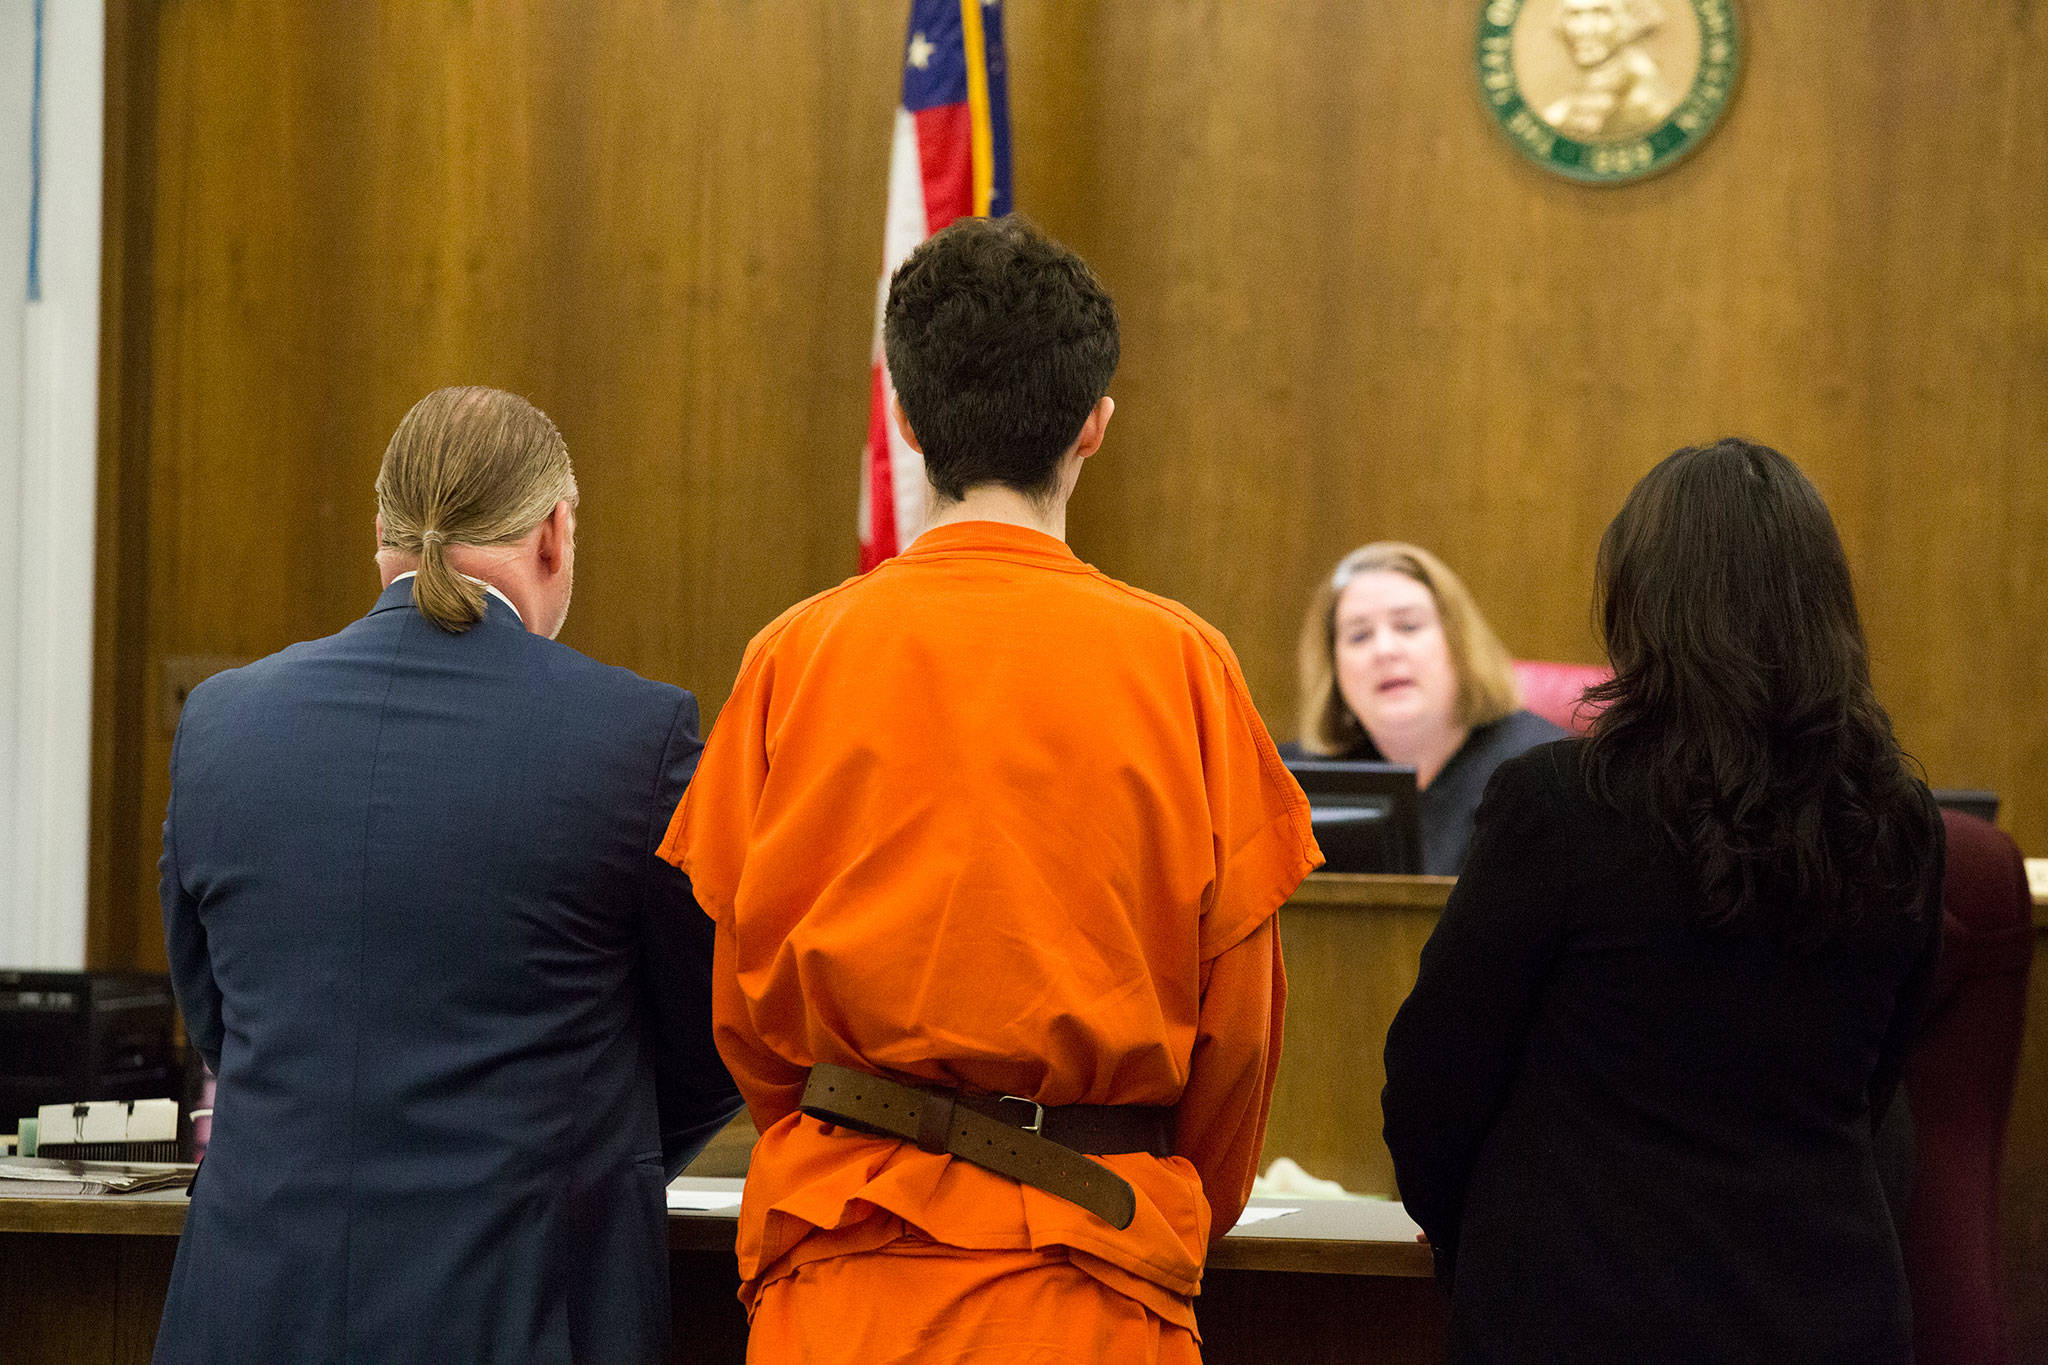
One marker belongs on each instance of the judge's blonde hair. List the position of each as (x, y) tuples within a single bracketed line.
[(1485, 672), (467, 466)]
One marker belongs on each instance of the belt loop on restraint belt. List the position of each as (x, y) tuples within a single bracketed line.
[(935, 1121)]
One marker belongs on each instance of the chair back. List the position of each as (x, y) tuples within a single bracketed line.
[(1959, 1083)]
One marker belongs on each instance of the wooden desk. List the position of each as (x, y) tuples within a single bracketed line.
[(2024, 1201), (1353, 945), (84, 1282)]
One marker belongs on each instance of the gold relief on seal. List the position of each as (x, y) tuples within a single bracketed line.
[(1606, 90), (1605, 70)]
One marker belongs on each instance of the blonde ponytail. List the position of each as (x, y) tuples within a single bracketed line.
[(451, 600), (467, 466)]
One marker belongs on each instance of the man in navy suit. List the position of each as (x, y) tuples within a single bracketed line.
[(458, 1009)]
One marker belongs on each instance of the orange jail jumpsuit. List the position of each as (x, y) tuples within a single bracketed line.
[(988, 818)]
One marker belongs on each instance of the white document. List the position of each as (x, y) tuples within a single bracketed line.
[(1260, 1214), (1385, 1220), (703, 1201), (108, 1121)]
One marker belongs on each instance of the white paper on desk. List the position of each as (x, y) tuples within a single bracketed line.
[(703, 1201), (1260, 1215), (1386, 1220)]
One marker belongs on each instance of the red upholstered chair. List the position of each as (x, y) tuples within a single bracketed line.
[(1552, 691), (1959, 1081)]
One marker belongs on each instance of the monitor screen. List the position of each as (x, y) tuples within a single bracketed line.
[(1982, 804), (1365, 814)]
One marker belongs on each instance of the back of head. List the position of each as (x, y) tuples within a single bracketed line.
[(1485, 671), (1740, 713), (1000, 341), (467, 466)]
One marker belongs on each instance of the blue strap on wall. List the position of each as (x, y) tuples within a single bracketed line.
[(35, 168)]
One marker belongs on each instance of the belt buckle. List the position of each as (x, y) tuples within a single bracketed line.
[(1037, 1123)]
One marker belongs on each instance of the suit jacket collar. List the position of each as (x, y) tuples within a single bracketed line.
[(497, 610)]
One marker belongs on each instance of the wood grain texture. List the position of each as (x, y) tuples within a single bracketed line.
[(1350, 312), (46, 1321), (126, 509), (1349, 967), (2024, 1200), (142, 1278), (1251, 1317), (97, 1300), (1331, 1238), (137, 1216), (660, 222), (1323, 1256)]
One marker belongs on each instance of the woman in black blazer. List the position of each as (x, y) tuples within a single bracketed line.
[(1631, 1097)]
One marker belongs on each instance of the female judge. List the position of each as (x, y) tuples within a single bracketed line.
[(1398, 666), (1631, 1098)]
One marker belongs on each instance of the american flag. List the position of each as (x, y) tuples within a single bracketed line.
[(950, 159)]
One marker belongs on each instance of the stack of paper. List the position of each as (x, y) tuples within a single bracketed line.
[(34, 1175)]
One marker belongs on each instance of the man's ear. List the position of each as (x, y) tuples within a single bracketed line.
[(1095, 428), (378, 521), (553, 544), (903, 425)]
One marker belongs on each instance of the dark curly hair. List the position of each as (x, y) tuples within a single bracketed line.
[(1740, 716), (1000, 341)]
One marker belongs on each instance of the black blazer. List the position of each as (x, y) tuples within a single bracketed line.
[(1632, 1138), (459, 1010)]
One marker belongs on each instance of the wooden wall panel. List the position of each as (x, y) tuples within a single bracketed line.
[(2023, 1202), (660, 222), (1350, 311), (126, 506)]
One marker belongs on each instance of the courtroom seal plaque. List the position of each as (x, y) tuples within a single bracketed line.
[(1607, 91)]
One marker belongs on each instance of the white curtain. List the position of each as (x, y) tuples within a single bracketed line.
[(51, 121)]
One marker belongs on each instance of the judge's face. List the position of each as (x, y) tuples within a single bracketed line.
[(1393, 662)]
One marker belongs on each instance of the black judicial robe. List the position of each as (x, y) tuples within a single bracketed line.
[(458, 1009)]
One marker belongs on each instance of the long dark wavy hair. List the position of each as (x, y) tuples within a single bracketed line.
[(1740, 716)]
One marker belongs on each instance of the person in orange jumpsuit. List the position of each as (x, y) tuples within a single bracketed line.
[(992, 823)]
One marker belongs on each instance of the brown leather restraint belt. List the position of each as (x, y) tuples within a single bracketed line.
[(1019, 1138)]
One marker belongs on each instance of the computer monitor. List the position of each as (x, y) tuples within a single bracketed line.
[(71, 1036), (1365, 814), (1982, 804)]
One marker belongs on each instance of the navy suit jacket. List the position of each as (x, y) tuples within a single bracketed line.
[(458, 1009)]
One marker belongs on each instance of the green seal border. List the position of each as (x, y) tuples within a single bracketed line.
[(1611, 163)]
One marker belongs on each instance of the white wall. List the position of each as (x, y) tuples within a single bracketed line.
[(17, 38), (49, 414)]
